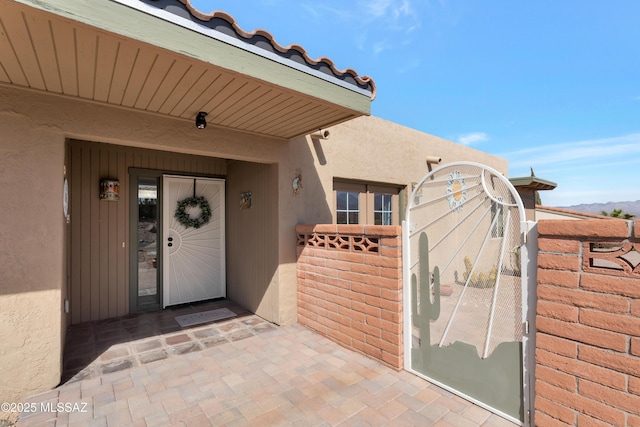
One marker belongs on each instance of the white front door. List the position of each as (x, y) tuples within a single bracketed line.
[(193, 256)]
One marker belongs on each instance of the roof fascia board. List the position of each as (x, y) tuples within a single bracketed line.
[(168, 16), (533, 182), (119, 17)]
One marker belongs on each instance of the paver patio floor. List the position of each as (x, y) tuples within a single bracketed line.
[(237, 372)]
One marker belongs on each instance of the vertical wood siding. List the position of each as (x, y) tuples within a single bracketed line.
[(99, 262)]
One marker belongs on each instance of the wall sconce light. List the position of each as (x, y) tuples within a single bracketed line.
[(110, 190), (201, 122)]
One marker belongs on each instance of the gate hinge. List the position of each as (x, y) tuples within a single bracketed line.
[(526, 327)]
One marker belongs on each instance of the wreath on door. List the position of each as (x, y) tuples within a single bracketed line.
[(187, 220)]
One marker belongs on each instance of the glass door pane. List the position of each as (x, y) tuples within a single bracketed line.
[(147, 237)]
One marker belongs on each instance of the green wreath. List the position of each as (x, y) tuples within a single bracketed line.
[(186, 220)]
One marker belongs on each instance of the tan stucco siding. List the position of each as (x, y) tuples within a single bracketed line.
[(32, 272), (33, 277), (368, 149), (35, 127), (375, 150)]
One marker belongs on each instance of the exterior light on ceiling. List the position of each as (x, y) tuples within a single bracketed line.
[(201, 121)]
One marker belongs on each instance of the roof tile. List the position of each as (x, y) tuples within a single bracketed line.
[(227, 24)]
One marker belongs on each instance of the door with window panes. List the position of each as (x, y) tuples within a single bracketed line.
[(362, 203)]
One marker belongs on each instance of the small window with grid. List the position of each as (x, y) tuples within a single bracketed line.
[(347, 207), (382, 209), (497, 231), (366, 203)]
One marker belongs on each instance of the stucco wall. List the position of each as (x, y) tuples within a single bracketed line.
[(35, 127), (369, 149), (33, 277), (32, 272), (373, 150), (540, 215)]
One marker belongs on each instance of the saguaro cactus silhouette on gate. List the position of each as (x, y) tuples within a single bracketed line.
[(427, 310)]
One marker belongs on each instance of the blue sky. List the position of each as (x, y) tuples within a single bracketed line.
[(553, 85)]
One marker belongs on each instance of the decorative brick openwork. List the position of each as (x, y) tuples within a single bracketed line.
[(588, 323), (350, 287), (616, 258), (340, 242)]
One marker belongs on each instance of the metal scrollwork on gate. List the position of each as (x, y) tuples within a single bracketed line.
[(456, 191)]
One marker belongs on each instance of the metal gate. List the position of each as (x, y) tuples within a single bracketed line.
[(465, 282)]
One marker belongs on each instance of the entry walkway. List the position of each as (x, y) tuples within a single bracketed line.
[(240, 372)]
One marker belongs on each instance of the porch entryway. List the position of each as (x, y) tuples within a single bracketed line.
[(253, 374), (466, 283), (116, 247), (93, 349)]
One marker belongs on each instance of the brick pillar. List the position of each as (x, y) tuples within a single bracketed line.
[(588, 323)]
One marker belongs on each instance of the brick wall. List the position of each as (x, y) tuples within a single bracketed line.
[(350, 287), (588, 323)]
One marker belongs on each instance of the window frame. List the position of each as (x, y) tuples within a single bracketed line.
[(366, 199), (497, 231)]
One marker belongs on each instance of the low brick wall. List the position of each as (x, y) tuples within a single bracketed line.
[(588, 323), (350, 287)]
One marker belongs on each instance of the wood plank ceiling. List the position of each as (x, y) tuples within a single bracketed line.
[(47, 52)]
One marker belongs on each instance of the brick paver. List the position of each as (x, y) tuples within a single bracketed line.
[(256, 374)]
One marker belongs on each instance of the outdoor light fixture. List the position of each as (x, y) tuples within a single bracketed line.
[(201, 122)]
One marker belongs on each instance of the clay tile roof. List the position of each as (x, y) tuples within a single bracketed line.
[(225, 23)]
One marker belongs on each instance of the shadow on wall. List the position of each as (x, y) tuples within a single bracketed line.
[(309, 203), (264, 204)]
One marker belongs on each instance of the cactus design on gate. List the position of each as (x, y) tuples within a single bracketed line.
[(495, 380), (428, 310)]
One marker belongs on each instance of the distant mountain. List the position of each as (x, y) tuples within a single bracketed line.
[(596, 208)]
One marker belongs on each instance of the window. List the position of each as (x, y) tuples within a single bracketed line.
[(382, 209), (347, 207), (362, 203), (497, 230)]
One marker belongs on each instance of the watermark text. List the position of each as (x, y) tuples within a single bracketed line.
[(25, 408)]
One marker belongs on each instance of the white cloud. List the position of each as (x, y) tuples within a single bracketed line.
[(378, 24), (580, 151), (380, 46), (589, 171), (473, 138), (377, 7), (408, 66)]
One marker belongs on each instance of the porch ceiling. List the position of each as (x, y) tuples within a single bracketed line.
[(134, 55)]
